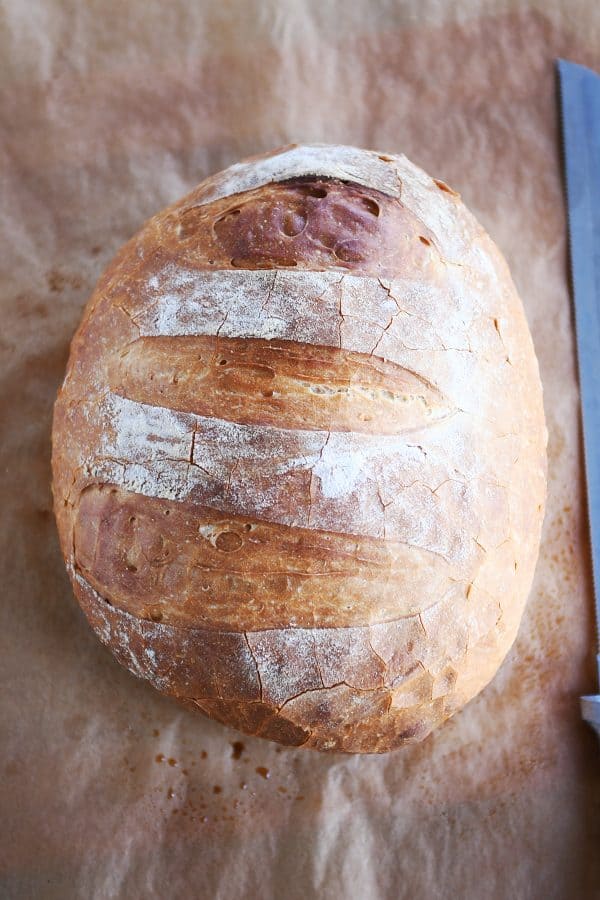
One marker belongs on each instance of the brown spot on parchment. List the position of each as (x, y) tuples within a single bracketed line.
[(58, 281)]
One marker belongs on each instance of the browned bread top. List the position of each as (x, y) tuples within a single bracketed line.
[(303, 402)]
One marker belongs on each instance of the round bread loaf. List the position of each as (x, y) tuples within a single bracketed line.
[(299, 451)]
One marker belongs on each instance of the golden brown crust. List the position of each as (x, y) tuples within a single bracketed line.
[(268, 382), (329, 539), (182, 564), (306, 223), (340, 688)]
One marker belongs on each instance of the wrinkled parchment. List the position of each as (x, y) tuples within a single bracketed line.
[(108, 112)]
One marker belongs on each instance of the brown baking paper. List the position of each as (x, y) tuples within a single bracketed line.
[(108, 112)]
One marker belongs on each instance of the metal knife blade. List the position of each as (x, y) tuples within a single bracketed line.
[(580, 114)]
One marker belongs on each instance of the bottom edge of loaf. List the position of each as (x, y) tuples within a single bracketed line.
[(218, 674)]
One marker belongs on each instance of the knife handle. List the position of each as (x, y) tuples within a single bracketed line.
[(590, 706), (590, 711)]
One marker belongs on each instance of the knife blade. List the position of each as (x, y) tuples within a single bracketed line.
[(580, 118)]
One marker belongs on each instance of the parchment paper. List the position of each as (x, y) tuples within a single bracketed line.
[(109, 111)]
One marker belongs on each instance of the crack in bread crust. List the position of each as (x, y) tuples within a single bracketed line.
[(327, 689)]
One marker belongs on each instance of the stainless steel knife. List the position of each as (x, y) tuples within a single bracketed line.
[(580, 109)]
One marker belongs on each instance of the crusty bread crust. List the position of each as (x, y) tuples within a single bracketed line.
[(299, 452)]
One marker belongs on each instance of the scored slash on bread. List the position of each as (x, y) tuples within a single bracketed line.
[(187, 565), (254, 381), (299, 453)]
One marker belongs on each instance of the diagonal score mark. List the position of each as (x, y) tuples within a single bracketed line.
[(276, 382)]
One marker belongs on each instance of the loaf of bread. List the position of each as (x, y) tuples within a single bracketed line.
[(299, 451)]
